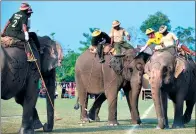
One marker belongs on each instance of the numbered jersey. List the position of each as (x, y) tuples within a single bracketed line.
[(17, 20)]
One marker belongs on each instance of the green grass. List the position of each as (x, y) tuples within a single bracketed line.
[(11, 119)]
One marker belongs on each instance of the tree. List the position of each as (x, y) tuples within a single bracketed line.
[(86, 43), (155, 21), (185, 35), (52, 35), (67, 71)]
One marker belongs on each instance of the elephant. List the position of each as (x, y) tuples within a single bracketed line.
[(174, 77), (107, 79), (20, 80)]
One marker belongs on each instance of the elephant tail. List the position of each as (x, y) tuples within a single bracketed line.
[(77, 105)]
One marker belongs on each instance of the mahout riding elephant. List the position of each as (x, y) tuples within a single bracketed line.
[(174, 77), (20, 80), (107, 78)]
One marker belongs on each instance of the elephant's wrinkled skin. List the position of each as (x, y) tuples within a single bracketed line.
[(93, 77), (20, 80), (161, 68)]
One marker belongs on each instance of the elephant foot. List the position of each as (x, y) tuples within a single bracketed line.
[(93, 117), (186, 118), (84, 120), (165, 127), (157, 127), (37, 124), (138, 121), (26, 131), (97, 119), (179, 125), (76, 106), (112, 123), (47, 128)]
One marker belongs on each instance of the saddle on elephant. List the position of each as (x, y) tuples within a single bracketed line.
[(7, 41), (183, 50), (107, 49)]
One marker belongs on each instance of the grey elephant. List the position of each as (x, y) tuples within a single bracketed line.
[(107, 78), (20, 80), (174, 77)]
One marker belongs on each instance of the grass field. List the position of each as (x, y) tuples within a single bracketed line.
[(11, 119)]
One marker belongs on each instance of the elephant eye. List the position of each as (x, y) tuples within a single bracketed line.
[(131, 69)]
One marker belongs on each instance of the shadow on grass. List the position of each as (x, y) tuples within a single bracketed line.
[(153, 121), (146, 124), (90, 129)]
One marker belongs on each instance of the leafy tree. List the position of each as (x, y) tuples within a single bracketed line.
[(67, 71), (155, 21), (52, 35), (87, 41), (185, 35)]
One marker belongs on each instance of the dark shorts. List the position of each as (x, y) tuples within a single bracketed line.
[(16, 34)]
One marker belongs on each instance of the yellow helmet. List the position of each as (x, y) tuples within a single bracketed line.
[(96, 33), (149, 30)]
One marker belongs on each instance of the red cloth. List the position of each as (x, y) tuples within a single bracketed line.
[(186, 49)]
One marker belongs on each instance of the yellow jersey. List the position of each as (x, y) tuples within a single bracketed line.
[(156, 40)]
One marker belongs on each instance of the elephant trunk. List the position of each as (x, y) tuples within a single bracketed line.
[(50, 84), (156, 83)]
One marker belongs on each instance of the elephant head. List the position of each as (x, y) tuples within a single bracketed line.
[(131, 62), (52, 54), (130, 68), (163, 68), (50, 59)]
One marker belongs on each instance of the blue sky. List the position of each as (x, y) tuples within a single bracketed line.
[(69, 19)]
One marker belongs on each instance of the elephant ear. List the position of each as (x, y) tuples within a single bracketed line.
[(116, 64), (180, 66)]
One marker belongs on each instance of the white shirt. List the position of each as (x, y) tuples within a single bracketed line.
[(169, 39), (118, 35)]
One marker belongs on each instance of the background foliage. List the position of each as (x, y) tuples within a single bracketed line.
[(138, 37)]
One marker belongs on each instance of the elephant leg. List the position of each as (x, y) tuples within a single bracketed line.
[(133, 100), (20, 100), (30, 98), (94, 111), (189, 109), (50, 84), (83, 105), (165, 103), (178, 113), (36, 121), (112, 96)]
